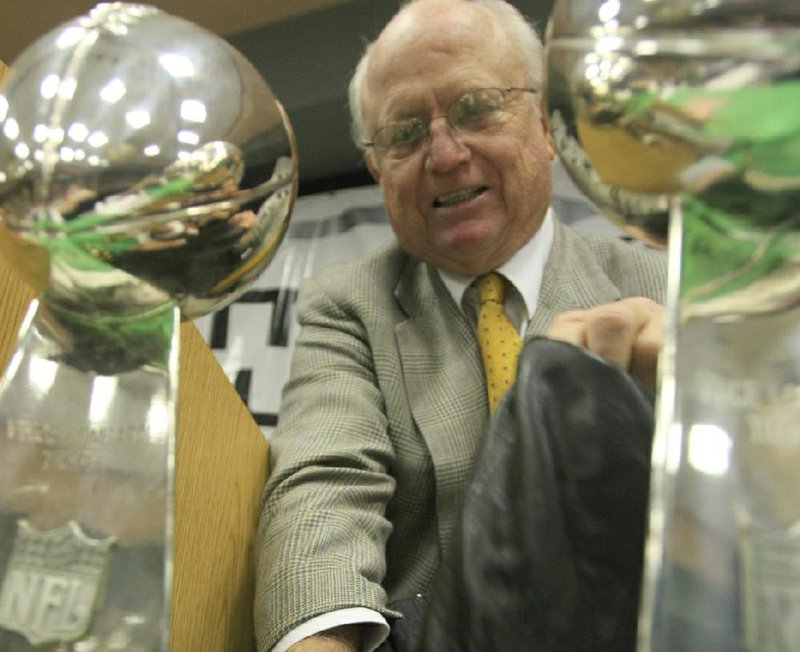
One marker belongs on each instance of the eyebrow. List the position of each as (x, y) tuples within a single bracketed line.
[(414, 108), (404, 111)]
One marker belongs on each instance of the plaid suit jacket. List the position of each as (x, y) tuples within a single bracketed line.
[(381, 419)]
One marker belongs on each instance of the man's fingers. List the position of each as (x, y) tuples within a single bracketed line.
[(644, 363), (628, 333), (611, 332), (569, 327)]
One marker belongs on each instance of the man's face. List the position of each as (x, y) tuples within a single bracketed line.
[(465, 202)]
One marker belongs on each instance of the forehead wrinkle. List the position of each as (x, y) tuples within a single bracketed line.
[(442, 33), (451, 38)]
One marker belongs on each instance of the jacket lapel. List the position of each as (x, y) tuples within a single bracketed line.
[(572, 280), (444, 381)]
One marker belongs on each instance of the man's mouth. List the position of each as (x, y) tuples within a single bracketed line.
[(458, 196)]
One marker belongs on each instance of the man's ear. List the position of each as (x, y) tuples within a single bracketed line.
[(372, 164)]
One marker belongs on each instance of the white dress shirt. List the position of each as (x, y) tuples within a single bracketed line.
[(524, 271)]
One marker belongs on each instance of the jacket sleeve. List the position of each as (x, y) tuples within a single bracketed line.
[(322, 532)]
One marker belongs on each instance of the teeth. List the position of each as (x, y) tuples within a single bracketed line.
[(459, 195)]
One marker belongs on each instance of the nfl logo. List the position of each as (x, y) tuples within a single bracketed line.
[(51, 582)]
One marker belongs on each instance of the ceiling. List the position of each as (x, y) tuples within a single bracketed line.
[(22, 21), (305, 49)]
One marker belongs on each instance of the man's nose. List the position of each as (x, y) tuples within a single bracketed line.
[(446, 149)]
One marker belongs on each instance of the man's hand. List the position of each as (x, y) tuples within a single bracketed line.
[(628, 332), (346, 638)]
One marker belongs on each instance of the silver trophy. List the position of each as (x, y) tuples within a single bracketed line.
[(681, 120), (147, 173)]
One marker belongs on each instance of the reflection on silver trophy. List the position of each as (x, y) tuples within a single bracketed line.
[(147, 172), (684, 116)]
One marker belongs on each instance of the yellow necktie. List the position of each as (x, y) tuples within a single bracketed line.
[(497, 338)]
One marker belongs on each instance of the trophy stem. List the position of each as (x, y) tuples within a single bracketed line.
[(722, 568), (666, 439), (87, 439)]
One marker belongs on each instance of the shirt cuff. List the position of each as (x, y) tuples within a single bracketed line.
[(376, 632)]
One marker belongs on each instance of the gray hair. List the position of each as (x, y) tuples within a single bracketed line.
[(521, 32)]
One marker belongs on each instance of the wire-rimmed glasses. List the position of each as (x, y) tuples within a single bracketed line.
[(474, 111)]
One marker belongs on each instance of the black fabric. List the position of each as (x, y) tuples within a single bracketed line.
[(549, 556), (405, 631)]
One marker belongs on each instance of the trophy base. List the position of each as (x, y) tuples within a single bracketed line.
[(86, 492), (723, 569)]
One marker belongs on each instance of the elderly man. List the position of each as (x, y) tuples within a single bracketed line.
[(387, 400)]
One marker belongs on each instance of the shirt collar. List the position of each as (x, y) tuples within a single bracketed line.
[(524, 269)]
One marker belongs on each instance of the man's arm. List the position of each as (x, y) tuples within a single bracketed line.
[(323, 530), (346, 638), (373, 628)]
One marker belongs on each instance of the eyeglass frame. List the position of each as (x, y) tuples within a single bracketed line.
[(427, 125)]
